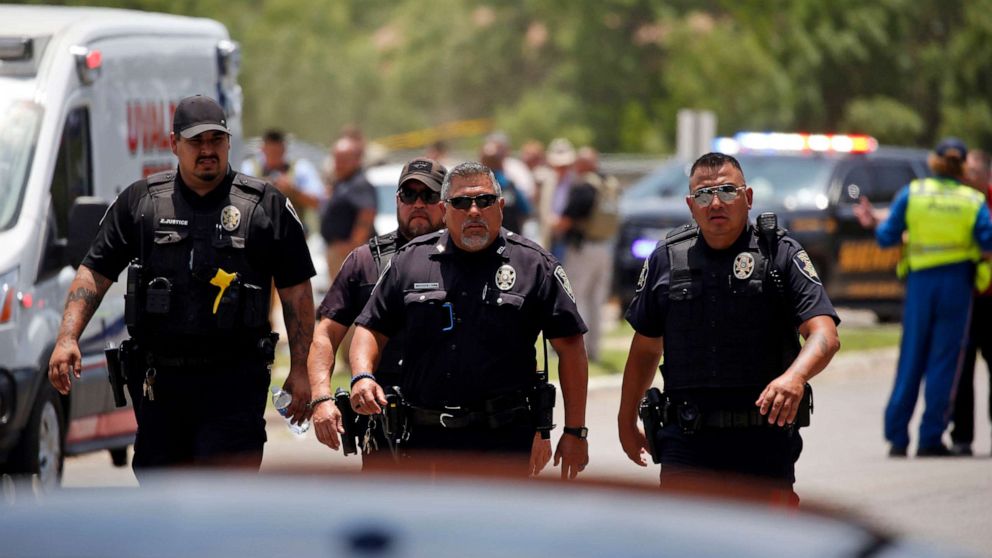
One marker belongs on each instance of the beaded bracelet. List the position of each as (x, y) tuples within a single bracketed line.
[(361, 376), (318, 401)]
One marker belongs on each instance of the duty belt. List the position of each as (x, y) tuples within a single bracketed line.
[(190, 360), (690, 418), (495, 413), (262, 348)]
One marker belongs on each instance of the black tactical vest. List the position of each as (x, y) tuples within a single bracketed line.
[(185, 254), (383, 248), (727, 324)]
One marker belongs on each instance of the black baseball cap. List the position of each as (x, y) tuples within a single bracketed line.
[(198, 114), (948, 146), (428, 171)]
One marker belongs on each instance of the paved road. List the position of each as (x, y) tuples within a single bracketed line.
[(843, 464)]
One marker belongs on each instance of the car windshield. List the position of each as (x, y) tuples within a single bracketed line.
[(19, 124), (788, 180)]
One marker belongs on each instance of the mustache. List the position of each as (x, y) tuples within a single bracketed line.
[(210, 158), (470, 222)]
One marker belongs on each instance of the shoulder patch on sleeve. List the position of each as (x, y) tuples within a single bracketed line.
[(805, 266), (109, 208), (292, 211), (563, 279), (642, 279)]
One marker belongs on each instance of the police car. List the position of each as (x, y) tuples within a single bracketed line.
[(812, 182)]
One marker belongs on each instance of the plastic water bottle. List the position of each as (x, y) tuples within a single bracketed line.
[(281, 400)]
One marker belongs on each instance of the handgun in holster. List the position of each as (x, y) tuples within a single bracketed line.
[(349, 419), (805, 408), (652, 413), (132, 299), (267, 347), (118, 364), (543, 407), (395, 425)]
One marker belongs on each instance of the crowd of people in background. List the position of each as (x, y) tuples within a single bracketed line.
[(557, 196)]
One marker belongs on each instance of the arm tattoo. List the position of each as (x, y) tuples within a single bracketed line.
[(298, 328), (78, 315), (82, 293)]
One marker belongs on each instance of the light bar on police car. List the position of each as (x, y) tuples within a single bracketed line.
[(794, 142)]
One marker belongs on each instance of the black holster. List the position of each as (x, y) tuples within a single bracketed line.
[(349, 419), (805, 408), (396, 420), (118, 368), (133, 300), (267, 347), (542, 403), (652, 411)]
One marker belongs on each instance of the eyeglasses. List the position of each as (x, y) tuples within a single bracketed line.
[(409, 197), (482, 201), (726, 192)]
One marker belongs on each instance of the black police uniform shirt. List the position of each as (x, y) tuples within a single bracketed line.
[(277, 246), (350, 293), (471, 319), (805, 298), (350, 196)]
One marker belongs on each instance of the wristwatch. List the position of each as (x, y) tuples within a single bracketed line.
[(580, 432)]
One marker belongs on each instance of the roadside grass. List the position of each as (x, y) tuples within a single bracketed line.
[(863, 338)]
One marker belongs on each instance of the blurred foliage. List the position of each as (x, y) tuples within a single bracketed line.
[(611, 72)]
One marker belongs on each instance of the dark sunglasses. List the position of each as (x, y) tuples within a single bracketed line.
[(409, 196), (464, 203), (726, 192)]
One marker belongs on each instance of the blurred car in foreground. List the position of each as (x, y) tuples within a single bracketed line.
[(405, 515), (812, 183)]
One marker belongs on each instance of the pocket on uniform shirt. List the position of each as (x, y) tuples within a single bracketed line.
[(429, 314)]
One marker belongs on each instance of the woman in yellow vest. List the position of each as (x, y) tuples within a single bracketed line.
[(946, 226)]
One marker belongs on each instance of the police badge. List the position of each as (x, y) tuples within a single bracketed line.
[(230, 218), (743, 265), (506, 276)]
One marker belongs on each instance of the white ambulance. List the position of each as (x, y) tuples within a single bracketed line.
[(86, 103)]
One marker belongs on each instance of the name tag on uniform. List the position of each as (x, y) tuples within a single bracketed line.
[(426, 286)]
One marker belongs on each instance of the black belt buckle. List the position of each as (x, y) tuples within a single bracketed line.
[(688, 416)]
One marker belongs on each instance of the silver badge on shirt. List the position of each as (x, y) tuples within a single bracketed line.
[(230, 218), (506, 276), (743, 265)]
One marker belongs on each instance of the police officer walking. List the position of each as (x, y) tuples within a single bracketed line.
[(723, 300), (470, 303), (204, 244)]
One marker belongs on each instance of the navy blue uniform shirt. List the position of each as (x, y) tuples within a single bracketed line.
[(804, 289), (277, 243), (471, 320)]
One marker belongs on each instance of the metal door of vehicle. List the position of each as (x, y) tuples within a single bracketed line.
[(864, 274)]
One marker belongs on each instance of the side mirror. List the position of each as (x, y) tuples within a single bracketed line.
[(84, 222)]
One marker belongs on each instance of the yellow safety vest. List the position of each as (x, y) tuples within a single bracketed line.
[(940, 223)]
